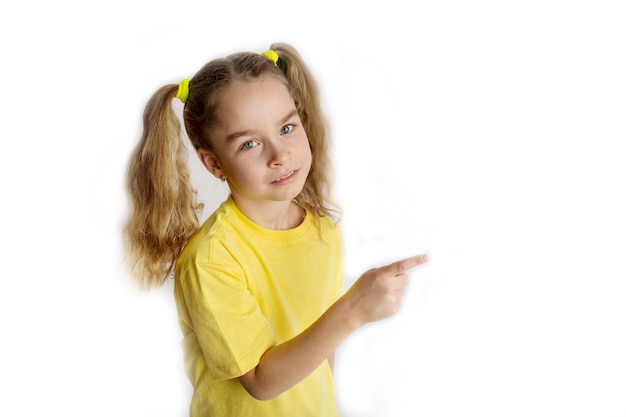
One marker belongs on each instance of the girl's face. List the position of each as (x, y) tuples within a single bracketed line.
[(260, 145)]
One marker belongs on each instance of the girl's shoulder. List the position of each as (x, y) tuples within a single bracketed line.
[(210, 233)]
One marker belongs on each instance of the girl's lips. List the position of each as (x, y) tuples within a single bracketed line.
[(287, 178)]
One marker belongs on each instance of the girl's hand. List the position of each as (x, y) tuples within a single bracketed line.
[(377, 294)]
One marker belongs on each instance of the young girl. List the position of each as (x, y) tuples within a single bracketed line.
[(258, 286)]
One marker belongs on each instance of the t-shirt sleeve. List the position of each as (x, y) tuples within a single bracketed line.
[(232, 331)]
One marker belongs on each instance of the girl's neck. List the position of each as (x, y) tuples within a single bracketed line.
[(274, 215)]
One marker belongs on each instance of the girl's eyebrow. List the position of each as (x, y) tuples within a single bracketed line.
[(291, 114), (236, 135)]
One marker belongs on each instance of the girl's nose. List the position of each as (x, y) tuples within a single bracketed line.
[(279, 154)]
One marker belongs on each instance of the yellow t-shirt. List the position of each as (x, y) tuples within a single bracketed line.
[(240, 289)]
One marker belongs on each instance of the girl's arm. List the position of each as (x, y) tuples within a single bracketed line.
[(374, 296)]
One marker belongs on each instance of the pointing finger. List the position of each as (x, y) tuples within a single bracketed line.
[(400, 267)]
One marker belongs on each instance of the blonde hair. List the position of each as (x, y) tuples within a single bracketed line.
[(164, 211)]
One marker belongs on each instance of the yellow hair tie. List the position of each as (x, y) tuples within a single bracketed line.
[(272, 56), (183, 90)]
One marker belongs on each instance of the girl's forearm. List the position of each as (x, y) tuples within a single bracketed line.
[(284, 365)]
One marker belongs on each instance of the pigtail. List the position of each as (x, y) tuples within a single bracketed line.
[(317, 190), (164, 212)]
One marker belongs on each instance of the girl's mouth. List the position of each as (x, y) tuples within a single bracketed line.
[(287, 178)]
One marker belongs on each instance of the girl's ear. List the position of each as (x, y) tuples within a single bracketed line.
[(211, 162)]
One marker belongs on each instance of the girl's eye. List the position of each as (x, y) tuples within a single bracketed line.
[(249, 144), (286, 129)]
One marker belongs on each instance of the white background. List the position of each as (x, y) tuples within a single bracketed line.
[(488, 134)]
